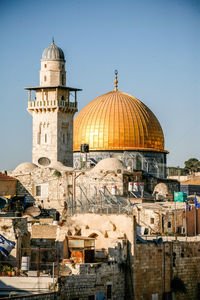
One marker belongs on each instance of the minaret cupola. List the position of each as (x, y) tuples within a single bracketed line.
[(53, 66)]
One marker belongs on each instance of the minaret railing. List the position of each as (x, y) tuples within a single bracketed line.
[(51, 103)]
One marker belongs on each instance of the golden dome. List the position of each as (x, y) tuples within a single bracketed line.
[(118, 121)]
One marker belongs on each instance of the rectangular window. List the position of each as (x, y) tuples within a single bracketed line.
[(109, 291), (45, 138), (169, 225), (42, 190), (92, 297), (38, 138), (38, 190), (63, 80), (152, 220)]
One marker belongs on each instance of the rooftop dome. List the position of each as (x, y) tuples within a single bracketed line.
[(25, 167), (108, 164), (118, 121), (53, 52)]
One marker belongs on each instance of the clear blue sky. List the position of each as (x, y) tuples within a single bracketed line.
[(154, 44)]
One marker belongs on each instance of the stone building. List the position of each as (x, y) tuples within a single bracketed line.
[(95, 281), (52, 110), (161, 218), (103, 188), (46, 187)]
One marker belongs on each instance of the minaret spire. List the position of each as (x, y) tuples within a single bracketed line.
[(116, 81)]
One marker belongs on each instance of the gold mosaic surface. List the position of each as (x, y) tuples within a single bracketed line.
[(118, 121)]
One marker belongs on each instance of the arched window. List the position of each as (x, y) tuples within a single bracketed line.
[(45, 65), (45, 78), (38, 138), (93, 235), (62, 98), (39, 134), (63, 80), (45, 138)]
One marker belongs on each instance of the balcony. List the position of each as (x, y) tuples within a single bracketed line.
[(51, 104)]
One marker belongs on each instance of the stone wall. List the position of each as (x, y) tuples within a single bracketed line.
[(109, 229), (156, 266), (26, 285), (53, 70), (89, 184), (159, 218), (45, 296), (94, 278), (54, 182), (172, 185)]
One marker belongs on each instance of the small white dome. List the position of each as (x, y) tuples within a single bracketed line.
[(108, 164), (25, 167)]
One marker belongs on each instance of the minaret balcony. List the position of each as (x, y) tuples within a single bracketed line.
[(51, 105)]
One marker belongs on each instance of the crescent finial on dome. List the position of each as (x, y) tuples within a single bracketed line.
[(52, 40), (116, 81)]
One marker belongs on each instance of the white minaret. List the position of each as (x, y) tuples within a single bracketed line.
[(52, 111)]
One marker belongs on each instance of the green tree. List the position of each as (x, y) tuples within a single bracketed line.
[(192, 165)]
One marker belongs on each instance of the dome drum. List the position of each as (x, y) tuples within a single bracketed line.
[(151, 162)]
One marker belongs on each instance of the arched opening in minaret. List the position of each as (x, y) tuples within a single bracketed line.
[(63, 138), (63, 80)]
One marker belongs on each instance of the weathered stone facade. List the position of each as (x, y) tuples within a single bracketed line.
[(46, 187), (156, 266), (159, 218), (53, 136), (109, 229), (107, 278)]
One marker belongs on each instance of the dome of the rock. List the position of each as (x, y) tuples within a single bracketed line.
[(118, 125), (118, 121)]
